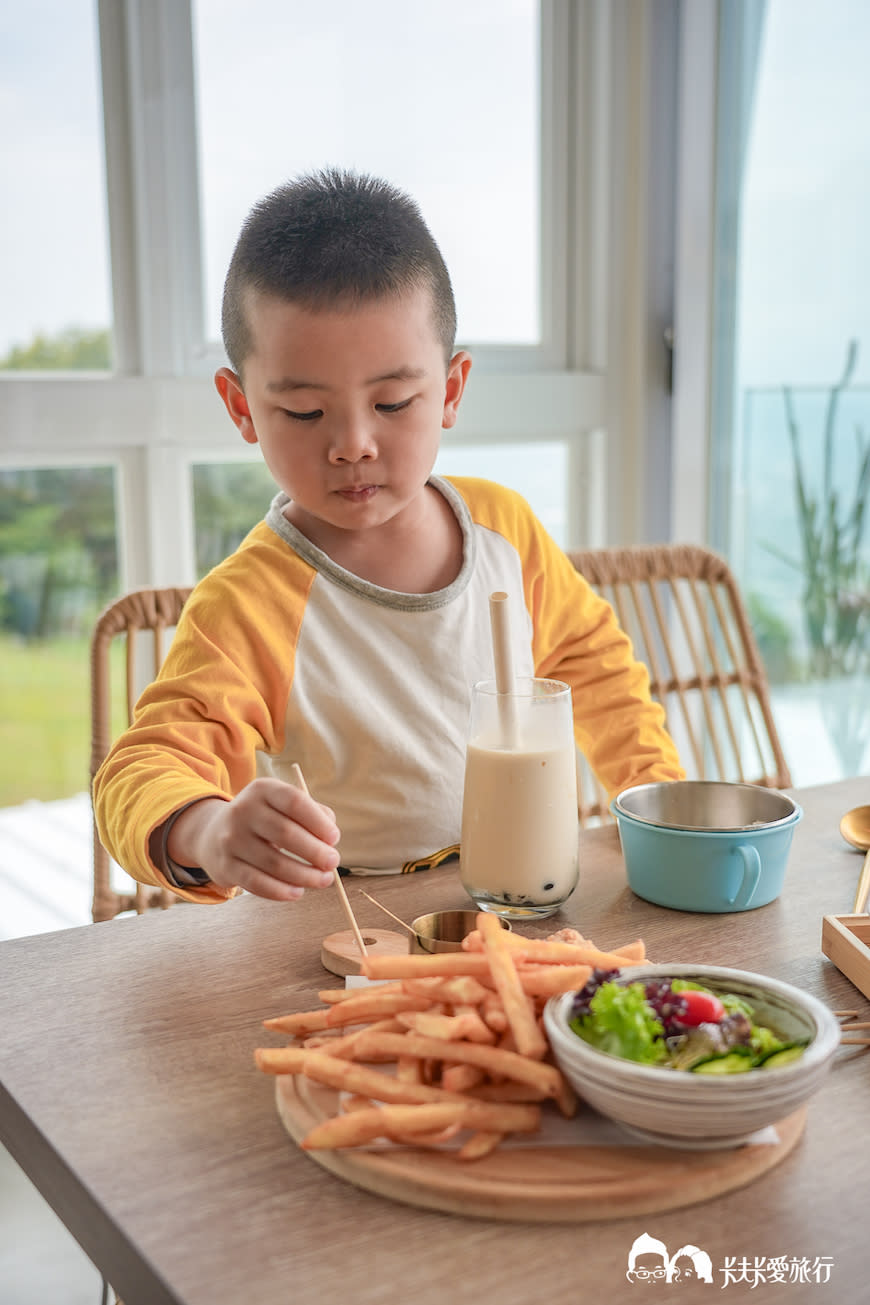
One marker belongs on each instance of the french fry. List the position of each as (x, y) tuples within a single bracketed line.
[(479, 1145), (449, 1027), (361, 1126), (566, 1098), (556, 953), (343, 1045), (473, 1026), (408, 1070), (505, 1091), (306, 1021), (634, 952), (435, 1139), (462, 989), (347, 1076), (492, 1013), (355, 1102), (549, 980), (281, 1060), (492, 1059), (330, 996), (372, 1004), (461, 1035), (517, 1007), (462, 1078), (432, 963)]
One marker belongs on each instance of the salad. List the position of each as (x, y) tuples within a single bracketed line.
[(676, 1024)]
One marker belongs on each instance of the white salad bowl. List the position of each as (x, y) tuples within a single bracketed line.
[(701, 1111)]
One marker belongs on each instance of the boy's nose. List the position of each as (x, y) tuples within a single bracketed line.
[(352, 441)]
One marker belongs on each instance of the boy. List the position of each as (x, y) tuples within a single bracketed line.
[(346, 631)]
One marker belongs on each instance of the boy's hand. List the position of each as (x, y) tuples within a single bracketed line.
[(239, 843)]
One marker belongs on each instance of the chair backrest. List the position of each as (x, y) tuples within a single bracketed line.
[(143, 620), (682, 608)]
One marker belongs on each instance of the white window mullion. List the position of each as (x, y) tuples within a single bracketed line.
[(693, 317), (126, 288)]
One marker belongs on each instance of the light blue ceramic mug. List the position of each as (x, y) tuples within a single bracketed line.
[(706, 845)]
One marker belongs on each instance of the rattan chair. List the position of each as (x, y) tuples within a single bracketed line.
[(682, 608), (144, 620)]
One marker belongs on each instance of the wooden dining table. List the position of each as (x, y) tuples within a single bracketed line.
[(129, 1096)]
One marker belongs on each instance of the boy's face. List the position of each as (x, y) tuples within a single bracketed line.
[(347, 405)]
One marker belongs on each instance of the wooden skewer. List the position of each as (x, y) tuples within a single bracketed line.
[(855, 1042), (390, 913), (299, 780), (852, 1025)]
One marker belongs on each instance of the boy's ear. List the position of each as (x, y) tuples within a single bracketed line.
[(229, 387), (457, 375)]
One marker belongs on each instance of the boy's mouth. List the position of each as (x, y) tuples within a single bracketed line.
[(357, 493)]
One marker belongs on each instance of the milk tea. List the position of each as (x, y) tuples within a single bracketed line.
[(519, 812)]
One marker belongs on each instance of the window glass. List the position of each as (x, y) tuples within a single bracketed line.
[(792, 363), (231, 497), (537, 471), (58, 568), (440, 99), (54, 277)]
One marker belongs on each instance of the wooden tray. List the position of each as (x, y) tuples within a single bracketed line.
[(846, 942), (555, 1184)]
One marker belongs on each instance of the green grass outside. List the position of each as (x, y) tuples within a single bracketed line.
[(44, 719)]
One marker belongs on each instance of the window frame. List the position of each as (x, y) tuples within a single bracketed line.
[(158, 411)]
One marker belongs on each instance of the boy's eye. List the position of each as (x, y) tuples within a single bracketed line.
[(392, 407), (304, 416)]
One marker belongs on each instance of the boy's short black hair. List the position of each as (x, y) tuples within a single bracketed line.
[(329, 238)]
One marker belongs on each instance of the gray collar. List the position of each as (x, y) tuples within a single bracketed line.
[(330, 570)]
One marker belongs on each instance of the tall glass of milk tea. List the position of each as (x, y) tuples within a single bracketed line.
[(518, 851)]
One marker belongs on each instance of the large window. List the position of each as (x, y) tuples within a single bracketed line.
[(54, 265), (144, 132), (58, 566), (791, 416), (442, 99)]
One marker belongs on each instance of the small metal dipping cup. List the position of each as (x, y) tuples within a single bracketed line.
[(443, 931)]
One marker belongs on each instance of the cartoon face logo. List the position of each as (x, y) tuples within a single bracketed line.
[(653, 1257), (689, 1263), (648, 1261)]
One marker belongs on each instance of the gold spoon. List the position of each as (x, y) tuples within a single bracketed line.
[(855, 828)]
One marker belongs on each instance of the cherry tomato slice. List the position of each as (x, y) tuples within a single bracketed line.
[(701, 1008)]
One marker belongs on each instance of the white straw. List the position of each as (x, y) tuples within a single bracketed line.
[(499, 613)]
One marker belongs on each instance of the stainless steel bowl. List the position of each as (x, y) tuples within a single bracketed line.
[(702, 804), (443, 931)]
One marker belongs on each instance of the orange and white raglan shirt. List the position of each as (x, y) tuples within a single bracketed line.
[(282, 656)]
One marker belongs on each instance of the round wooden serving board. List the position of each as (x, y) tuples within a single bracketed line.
[(554, 1184)]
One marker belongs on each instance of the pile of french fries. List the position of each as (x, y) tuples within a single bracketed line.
[(460, 1034)]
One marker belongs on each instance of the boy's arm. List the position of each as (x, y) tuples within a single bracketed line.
[(618, 726), (576, 638), (220, 697)]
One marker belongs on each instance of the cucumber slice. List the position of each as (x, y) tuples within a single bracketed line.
[(735, 1062), (785, 1056)]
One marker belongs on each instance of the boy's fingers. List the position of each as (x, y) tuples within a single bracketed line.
[(261, 884), (292, 803)]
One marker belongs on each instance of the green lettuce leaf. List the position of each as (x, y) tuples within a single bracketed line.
[(621, 1023)]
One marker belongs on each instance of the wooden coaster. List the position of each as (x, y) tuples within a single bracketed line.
[(340, 955)]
